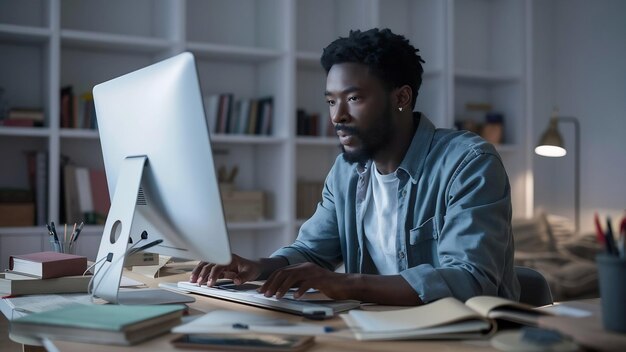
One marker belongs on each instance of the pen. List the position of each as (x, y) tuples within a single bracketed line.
[(610, 240), (73, 233), (78, 230), (54, 232), (284, 328), (622, 238), (599, 232)]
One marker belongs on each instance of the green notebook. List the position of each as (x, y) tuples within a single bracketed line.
[(117, 324)]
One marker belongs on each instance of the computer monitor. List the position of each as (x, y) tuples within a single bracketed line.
[(160, 171)]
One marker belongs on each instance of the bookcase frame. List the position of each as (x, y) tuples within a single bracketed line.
[(474, 50)]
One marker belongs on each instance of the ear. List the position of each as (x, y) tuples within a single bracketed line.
[(403, 97)]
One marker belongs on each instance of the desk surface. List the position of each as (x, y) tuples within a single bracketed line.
[(205, 304), (594, 335)]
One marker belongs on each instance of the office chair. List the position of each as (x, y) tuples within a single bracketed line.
[(534, 287)]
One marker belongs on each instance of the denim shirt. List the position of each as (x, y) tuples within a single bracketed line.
[(454, 219)]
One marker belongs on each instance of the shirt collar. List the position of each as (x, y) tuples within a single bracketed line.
[(413, 162)]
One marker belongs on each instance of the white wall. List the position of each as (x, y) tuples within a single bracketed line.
[(580, 66)]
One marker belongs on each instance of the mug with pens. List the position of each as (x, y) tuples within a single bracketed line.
[(65, 243), (612, 275)]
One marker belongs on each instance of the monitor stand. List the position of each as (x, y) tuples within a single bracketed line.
[(115, 239)]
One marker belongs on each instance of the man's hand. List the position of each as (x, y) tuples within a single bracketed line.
[(239, 270), (306, 276), (381, 289)]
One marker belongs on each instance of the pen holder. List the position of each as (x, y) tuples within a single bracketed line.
[(62, 247), (612, 277)]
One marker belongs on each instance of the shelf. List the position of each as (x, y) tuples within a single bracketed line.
[(255, 225), (25, 131), (317, 141), (245, 139), (232, 52), (485, 77), (11, 32), (23, 230), (105, 41), (79, 133)]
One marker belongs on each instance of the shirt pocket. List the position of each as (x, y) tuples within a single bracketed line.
[(423, 243)]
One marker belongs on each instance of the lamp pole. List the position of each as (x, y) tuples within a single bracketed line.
[(574, 121)]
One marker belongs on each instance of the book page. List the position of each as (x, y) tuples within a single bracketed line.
[(484, 305), (444, 311)]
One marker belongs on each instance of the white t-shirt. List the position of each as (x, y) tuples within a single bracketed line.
[(381, 221)]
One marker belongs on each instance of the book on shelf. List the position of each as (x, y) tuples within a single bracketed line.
[(244, 116), (17, 214), (48, 265), (101, 324), (16, 284), (17, 207), (85, 195), (77, 111), (312, 124), (37, 162), (447, 318), (23, 117), (308, 194)]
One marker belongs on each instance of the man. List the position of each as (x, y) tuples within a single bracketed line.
[(414, 213)]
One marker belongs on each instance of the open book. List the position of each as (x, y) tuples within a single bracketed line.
[(447, 318)]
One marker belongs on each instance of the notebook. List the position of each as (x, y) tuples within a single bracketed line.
[(313, 307)]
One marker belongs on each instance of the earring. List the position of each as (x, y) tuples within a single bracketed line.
[(400, 109)]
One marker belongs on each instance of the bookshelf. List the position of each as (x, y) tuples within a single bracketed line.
[(474, 50)]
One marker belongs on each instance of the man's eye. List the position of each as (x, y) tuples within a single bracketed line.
[(330, 102), (354, 98)]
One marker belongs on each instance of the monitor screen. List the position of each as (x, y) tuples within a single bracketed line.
[(160, 171)]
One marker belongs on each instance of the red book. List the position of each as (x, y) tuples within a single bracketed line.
[(99, 192), (47, 265)]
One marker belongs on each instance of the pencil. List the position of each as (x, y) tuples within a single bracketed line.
[(73, 233), (65, 234)]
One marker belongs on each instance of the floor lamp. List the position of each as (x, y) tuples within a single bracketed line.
[(551, 145)]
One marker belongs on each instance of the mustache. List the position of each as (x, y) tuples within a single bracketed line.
[(346, 129)]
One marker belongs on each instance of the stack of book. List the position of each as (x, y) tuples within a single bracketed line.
[(44, 272), (24, 117), (102, 324)]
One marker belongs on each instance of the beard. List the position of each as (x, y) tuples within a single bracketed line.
[(373, 138)]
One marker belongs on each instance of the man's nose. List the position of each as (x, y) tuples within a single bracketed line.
[(339, 113)]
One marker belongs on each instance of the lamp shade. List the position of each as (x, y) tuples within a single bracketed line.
[(551, 142)]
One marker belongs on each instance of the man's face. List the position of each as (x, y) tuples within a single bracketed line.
[(360, 109)]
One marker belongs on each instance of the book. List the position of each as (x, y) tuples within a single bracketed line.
[(99, 193), (17, 214), (103, 324), (48, 265), (447, 318), (15, 284), (41, 187)]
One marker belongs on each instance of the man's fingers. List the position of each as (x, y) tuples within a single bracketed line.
[(196, 271), (216, 273)]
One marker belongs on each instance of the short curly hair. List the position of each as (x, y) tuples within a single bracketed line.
[(389, 56)]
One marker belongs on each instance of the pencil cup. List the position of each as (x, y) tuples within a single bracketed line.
[(612, 277), (62, 247)]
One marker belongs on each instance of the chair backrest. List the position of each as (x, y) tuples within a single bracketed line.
[(534, 287)]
